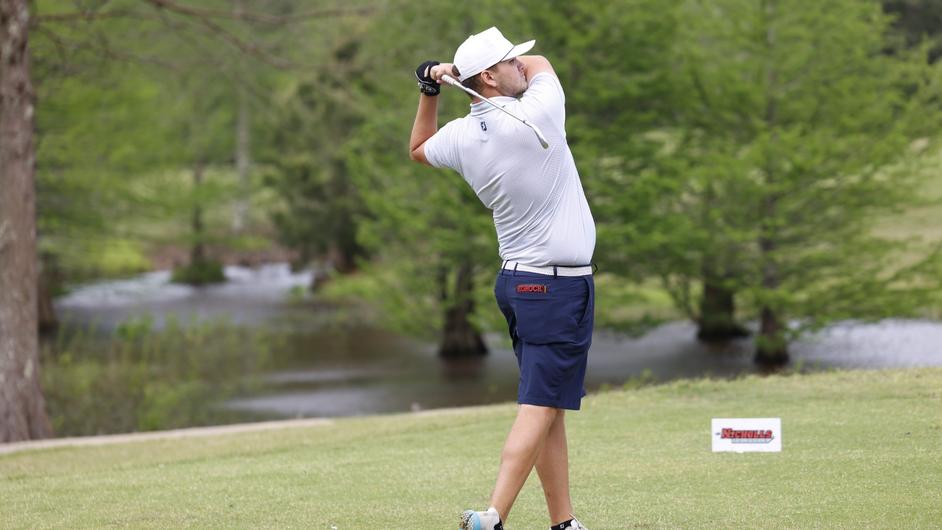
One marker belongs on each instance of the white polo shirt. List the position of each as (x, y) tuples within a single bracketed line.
[(540, 210)]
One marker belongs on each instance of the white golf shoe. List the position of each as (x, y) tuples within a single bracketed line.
[(576, 525), (572, 524), (472, 520)]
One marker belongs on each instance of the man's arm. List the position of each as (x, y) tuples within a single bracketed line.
[(535, 64), (425, 126), (426, 117)]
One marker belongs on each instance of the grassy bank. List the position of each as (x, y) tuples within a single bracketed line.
[(141, 378), (861, 449)]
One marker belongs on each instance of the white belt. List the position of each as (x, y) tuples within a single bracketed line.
[(558, 270)]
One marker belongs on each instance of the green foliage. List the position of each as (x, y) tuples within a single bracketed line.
[(311, 123), (644, 379), (789, 135), (631, 307), (752, 144), (83, 164), (669, 120), (421, 224), (125, 100), (918, 21), (148, 379), (199, 273)]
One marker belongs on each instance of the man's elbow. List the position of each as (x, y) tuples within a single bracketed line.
[(418, 155), (536, 64)]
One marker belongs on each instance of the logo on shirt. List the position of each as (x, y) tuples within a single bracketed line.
[(532, 288), (483, 126)]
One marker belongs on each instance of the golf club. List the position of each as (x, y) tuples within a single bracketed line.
[(539, 134)]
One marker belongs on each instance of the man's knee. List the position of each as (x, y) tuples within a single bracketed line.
[(535, 417), (539, 411)]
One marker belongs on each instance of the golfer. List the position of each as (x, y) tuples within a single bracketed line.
[(546, 236)]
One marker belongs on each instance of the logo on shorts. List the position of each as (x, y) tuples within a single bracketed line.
[(532, 288)]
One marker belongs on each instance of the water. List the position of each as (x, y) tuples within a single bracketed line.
[(330, 371), (249, 297)]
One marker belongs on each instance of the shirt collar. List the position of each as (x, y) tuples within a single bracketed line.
[(482, 107)]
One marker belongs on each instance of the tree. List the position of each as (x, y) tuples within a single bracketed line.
[(790, 139), (917, 20), (22, 408), (21, 403), (621, 99), (433, 242), (310, 124)]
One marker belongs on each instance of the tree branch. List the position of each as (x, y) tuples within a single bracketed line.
[(89, 16), (200, 16), (207, 18), (181, 27), (264, 18)]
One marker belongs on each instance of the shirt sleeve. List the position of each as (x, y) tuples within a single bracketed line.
[(441, 150), (545, 97)]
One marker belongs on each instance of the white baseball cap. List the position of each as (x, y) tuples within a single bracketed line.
[(479, 52)]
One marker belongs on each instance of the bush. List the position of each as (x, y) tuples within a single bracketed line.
[(199, 273), (146, 379)]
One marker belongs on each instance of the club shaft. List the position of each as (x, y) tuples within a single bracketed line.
[(453, 82)]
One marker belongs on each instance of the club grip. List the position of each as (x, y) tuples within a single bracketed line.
[(450, 80)]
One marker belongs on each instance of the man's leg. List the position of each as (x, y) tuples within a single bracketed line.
[(523, 446), (552, 465)]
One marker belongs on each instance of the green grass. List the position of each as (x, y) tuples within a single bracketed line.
[(860, 450)]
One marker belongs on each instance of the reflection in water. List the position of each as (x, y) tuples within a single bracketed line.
[(421, 380), (341, 372)]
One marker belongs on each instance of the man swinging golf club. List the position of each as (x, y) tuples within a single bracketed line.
[(546, 236)]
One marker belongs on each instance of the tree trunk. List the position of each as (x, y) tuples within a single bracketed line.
[(340, 259), (771, 347), (459, 337), (717, 321), (198, 252), (243, 162), (47, 312), (342, 247), (22, 407)]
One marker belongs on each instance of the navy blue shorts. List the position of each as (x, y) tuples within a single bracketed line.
[(550, 322)]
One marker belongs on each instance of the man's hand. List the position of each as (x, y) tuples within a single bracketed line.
[(437, 71), (427, 84)]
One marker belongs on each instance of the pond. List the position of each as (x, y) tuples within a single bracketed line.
[(327, 371)]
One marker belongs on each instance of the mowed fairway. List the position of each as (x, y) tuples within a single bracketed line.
[(860, 450)]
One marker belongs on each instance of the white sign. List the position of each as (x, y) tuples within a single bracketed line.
[(742, 435)]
